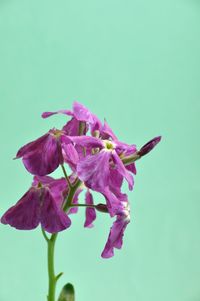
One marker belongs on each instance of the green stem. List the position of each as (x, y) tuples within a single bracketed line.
[(51, 246), (51, 272)]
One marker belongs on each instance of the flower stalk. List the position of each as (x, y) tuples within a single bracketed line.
[(53, 278)]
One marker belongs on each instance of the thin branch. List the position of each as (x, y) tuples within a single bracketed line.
[(66, 176)]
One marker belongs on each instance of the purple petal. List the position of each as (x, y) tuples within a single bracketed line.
[(81, 113), (25, 215), (72, 127), (122, 170), (107, 132), (44, 158), (94, 170), (90, 212), (53, 218), (115, 238), (31, 146), (48, 114), (86, 141), (70, 155), (74, 210)]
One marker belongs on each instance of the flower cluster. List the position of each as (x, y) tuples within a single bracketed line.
[(98, 162)]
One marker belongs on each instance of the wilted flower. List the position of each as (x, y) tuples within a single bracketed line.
[(99, 162)]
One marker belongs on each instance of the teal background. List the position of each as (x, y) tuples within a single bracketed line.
[(135, 62)]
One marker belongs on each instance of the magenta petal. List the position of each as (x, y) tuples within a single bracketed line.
[(107, 132), (86, 141), (115, 236), (45, 158), (31, 146), (25, 215), (72, 127), (48, 114), (131, 167), (90, 212), (122, 170), (94, 170), (81, 113), (53, 218), (74, 210)]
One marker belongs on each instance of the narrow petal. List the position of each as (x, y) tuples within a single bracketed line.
[(122, 170), (94, 170), (115, 238), (74, 210), (25, 215), (89, 212), (65, 112), (86, 141), (53, 218)]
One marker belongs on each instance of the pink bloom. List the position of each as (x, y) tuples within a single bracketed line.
[(42, 203)]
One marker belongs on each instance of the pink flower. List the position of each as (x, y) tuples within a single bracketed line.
[(42, 203)]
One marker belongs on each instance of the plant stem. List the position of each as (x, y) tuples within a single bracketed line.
[(51, 272)]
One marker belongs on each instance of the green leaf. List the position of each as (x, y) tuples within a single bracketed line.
[(67, 293)]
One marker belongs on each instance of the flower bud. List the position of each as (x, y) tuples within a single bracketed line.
[(101, 208), (149, 146), (67, 293)]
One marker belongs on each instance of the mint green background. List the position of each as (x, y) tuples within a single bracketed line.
[(135, 62)]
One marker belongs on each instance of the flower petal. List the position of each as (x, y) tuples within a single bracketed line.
[(89, 212), (48, 114), (53, 218), (86, 141), (44, 158), (94, 170), (122, 170), (115, 238), (25, 215), (72, 127), (82, 113), (106, 132)]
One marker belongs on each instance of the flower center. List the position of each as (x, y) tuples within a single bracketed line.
[(56, 133), (109, 145)]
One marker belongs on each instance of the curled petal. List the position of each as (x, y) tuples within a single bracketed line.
[(90, 212), (25, 215), (53, 218), (115, 238)]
